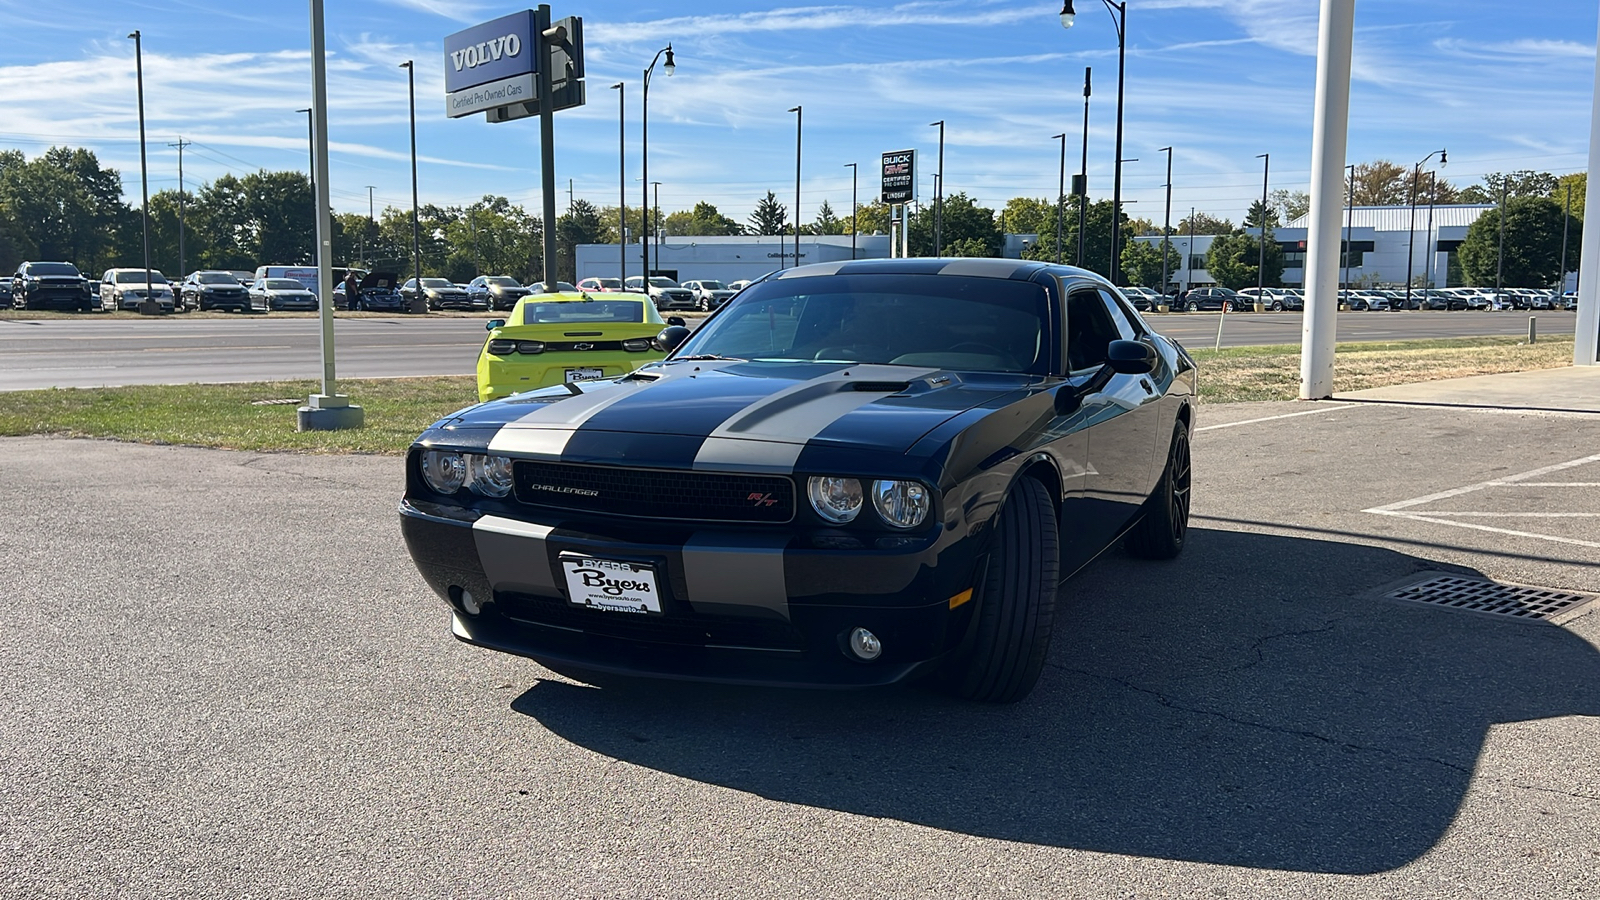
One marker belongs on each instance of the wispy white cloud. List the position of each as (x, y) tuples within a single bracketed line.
[(819, 18), (450, 9), (1525, 50)]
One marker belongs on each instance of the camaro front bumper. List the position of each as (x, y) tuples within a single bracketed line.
[(739, 604)]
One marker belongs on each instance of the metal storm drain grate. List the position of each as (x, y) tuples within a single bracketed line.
[(1483, 596)]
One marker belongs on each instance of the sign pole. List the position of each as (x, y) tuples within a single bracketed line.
[(547, 145), (1330, 127)]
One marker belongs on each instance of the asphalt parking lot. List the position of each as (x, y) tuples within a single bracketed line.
[(224, 678)]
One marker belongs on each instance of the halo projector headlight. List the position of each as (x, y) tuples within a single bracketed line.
[(903, 504), (489, 475), (444, 470), (835, 499)]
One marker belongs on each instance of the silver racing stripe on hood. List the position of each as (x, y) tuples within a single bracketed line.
[(768, 435), (544, 432)]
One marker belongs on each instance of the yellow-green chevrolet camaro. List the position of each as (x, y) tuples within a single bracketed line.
[(567, 337)]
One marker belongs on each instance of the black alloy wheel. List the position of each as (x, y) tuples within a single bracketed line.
[(1016, 602), (1162, 532)]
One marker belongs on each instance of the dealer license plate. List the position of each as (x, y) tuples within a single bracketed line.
[(585, 375), (610, 585)]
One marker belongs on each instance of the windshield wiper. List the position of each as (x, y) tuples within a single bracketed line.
[(706, 356)]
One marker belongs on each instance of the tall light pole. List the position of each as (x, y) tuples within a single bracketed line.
[(1119, 17), (854, 170), (1411, 232), (182, 261), (938, 196), (1429, 245), (1188, 254), (1166, 224), (416, 228), (622, 186), (1082, 186), (1566, 219), (1500, 255), (644, 158), (372, 224), (144, 168), (1061, 192), (655, 224), (1350, 221), (1261, 252), (799, 117)]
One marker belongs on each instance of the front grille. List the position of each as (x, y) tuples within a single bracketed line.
[(677, 626), (655, 493)]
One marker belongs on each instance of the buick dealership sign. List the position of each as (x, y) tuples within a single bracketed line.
[(899, 177), (491, 65)]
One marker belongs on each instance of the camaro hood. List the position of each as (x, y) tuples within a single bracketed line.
[(729, 413)]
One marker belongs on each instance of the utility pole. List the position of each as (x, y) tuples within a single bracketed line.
[(1166, 226), (938, 197), (182, 261), (1500, 258), (371, 224), (1061, 191), (1261, 253), (854, 171), (1566, 219), (799, 117)]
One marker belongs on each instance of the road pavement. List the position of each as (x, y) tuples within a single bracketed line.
[(98, 351), (223, 677)]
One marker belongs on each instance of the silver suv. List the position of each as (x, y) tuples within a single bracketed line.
[(708, 294), (666, 293)]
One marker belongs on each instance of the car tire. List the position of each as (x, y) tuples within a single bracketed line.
[(1016, 598), (704, 305), (1164, 529), (1277, 306)]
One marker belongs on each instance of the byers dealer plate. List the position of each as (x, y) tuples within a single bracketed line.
[(585, 374), (610, 585)]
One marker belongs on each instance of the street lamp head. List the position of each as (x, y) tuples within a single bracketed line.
[(406, 64), (617, 86), (133, 35), (794, 109), (1067, 15), (1443, 157), (670, 66)]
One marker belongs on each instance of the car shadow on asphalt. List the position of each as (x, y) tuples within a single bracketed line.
[(1254, 703)]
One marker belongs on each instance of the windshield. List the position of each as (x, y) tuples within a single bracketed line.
[(436, 283), (609, 282), (502, 281), (659, 281), (284, 284), (52, 269), (136, 276), (942, 321), (584, 311), (216, 278), (713, 286)]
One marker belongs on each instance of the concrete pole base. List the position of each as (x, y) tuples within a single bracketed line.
[(324, 412), (149, 308)]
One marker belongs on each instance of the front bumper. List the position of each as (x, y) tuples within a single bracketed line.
[(740, 605)]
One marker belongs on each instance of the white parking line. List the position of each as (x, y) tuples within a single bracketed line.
[(1304, 412), (1523, 479)]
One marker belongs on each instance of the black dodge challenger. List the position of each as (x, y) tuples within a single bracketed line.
[(851, 474)]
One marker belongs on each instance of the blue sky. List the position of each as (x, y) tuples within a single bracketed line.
[(1502, 85)]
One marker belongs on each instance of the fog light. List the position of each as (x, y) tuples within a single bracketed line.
[(463, 598), (865, 645)]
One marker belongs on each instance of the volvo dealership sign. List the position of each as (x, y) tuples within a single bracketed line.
[(899, 183), (491, 65)]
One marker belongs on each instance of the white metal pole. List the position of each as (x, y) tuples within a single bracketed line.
[(1586, 349), (1335, 37)]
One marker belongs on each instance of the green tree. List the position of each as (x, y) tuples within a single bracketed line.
[(704, 219), (827, 222), (496, 237), (1232, 260), (1380, 183), (1252, 218), (1522, 183), (1141, 263), (967, 227), (1289, 205), (770, 216), (872, 218), (1027, 215), (1097, 243), (1579, 182), (62, 205), (1532, 244), (581, 225), (1201, 223)]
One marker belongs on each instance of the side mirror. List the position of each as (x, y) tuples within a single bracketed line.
[(676, 320), (492, 324), (1131, 357), (671, 337)]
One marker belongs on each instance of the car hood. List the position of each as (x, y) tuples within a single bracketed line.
[(379, 280), (730, 414)]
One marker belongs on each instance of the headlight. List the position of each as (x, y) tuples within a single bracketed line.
[(444, 470), (836, 500), (489, 475), (903, 504), (637, 345)]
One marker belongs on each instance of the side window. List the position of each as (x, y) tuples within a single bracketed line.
[(1119, 316), (1089, 329)]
